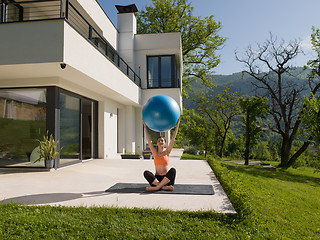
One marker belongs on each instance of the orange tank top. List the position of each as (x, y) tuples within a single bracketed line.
[(161, 161)]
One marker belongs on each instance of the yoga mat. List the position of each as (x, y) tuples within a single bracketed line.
[(187, 189)]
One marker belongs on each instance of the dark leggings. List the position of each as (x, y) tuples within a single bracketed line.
[(171, 175)]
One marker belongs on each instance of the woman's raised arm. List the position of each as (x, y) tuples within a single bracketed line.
[(152, 148), (170, 146)]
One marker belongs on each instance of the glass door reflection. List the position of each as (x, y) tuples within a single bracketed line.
[(87, 134), (69, 129)]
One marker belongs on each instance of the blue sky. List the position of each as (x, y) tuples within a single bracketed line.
[(248, 22)]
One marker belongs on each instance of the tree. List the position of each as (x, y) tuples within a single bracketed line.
[(253, 108), (270, 67), (200, 38), (197, 130), (311, 116), (221, 110)]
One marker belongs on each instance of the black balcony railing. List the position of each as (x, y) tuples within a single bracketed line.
[(22, 11)]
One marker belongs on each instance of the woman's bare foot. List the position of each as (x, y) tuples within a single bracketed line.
[(168, 188), (152, 188)]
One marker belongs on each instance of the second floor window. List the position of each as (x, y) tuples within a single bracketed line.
[(161, 71)]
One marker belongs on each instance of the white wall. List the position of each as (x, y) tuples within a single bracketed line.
[(158, 44), (127, 26), (107, 129), (139, 130), (84, 57), (101, 19)]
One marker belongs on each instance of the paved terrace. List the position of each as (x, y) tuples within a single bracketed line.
[(84, 184)]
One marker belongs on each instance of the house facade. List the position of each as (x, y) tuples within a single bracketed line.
[(65, 68)]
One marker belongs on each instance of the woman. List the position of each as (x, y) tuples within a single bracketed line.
[(163, 179)]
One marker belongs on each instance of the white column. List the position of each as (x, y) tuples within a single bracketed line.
[(121, 130), (130, 129), (139, 131), (102, 148), (127, 27)]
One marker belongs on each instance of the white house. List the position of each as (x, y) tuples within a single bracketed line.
[(65, 68)]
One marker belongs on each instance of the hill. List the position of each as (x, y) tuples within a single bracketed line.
[(238, 82)]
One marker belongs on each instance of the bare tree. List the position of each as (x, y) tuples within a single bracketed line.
[(270, 65)]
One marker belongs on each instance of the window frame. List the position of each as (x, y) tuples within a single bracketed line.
[(174, 80)]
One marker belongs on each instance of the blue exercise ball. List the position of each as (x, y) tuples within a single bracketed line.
[(161, 113)]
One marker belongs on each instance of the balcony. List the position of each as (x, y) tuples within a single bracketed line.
[(37, 10)]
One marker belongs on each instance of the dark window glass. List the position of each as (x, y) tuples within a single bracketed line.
[(166, 71), (153, 71), (22, 122), (161, 72)]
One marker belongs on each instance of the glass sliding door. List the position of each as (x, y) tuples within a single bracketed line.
[(22, 122), (69, 129), (78, 128)]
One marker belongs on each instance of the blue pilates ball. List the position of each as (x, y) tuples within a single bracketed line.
[(161, 113)]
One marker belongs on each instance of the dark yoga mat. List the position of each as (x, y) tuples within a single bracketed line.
[(188, 189)]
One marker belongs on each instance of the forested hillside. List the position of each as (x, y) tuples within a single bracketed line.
[(238, 82)]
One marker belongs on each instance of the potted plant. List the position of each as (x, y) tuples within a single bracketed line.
[(146, 154), (48, 150), (130, 155)]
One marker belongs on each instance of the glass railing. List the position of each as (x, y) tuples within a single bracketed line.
[(22, 11)]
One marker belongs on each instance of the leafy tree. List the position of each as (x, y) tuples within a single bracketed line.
[(311, 116), (262, 151), (270, 66), (220, 109), (197, 130), (200, 38), (234, 147), (253, 108)]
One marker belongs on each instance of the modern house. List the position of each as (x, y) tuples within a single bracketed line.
[(65, 68)]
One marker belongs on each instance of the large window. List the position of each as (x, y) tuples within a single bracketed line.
[(22, 122), (162, 72), (27, 113)]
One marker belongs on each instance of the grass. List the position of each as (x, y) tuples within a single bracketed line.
[(281, 204), (284, 202), (187, 156)]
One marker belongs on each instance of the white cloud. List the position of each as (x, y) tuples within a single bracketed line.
[(306, 45)]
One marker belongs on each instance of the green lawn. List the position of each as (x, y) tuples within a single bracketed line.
[(187, 156), (281, 204)]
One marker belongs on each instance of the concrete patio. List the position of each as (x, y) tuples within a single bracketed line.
[(85, 184)]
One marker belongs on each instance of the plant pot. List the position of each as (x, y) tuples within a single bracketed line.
[(130, 156), (49, 164), (147, 156)]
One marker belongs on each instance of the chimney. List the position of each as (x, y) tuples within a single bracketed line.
[(127, 27)]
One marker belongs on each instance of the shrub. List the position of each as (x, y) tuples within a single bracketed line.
[(233, 188), (191, 150), (262, 152)]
